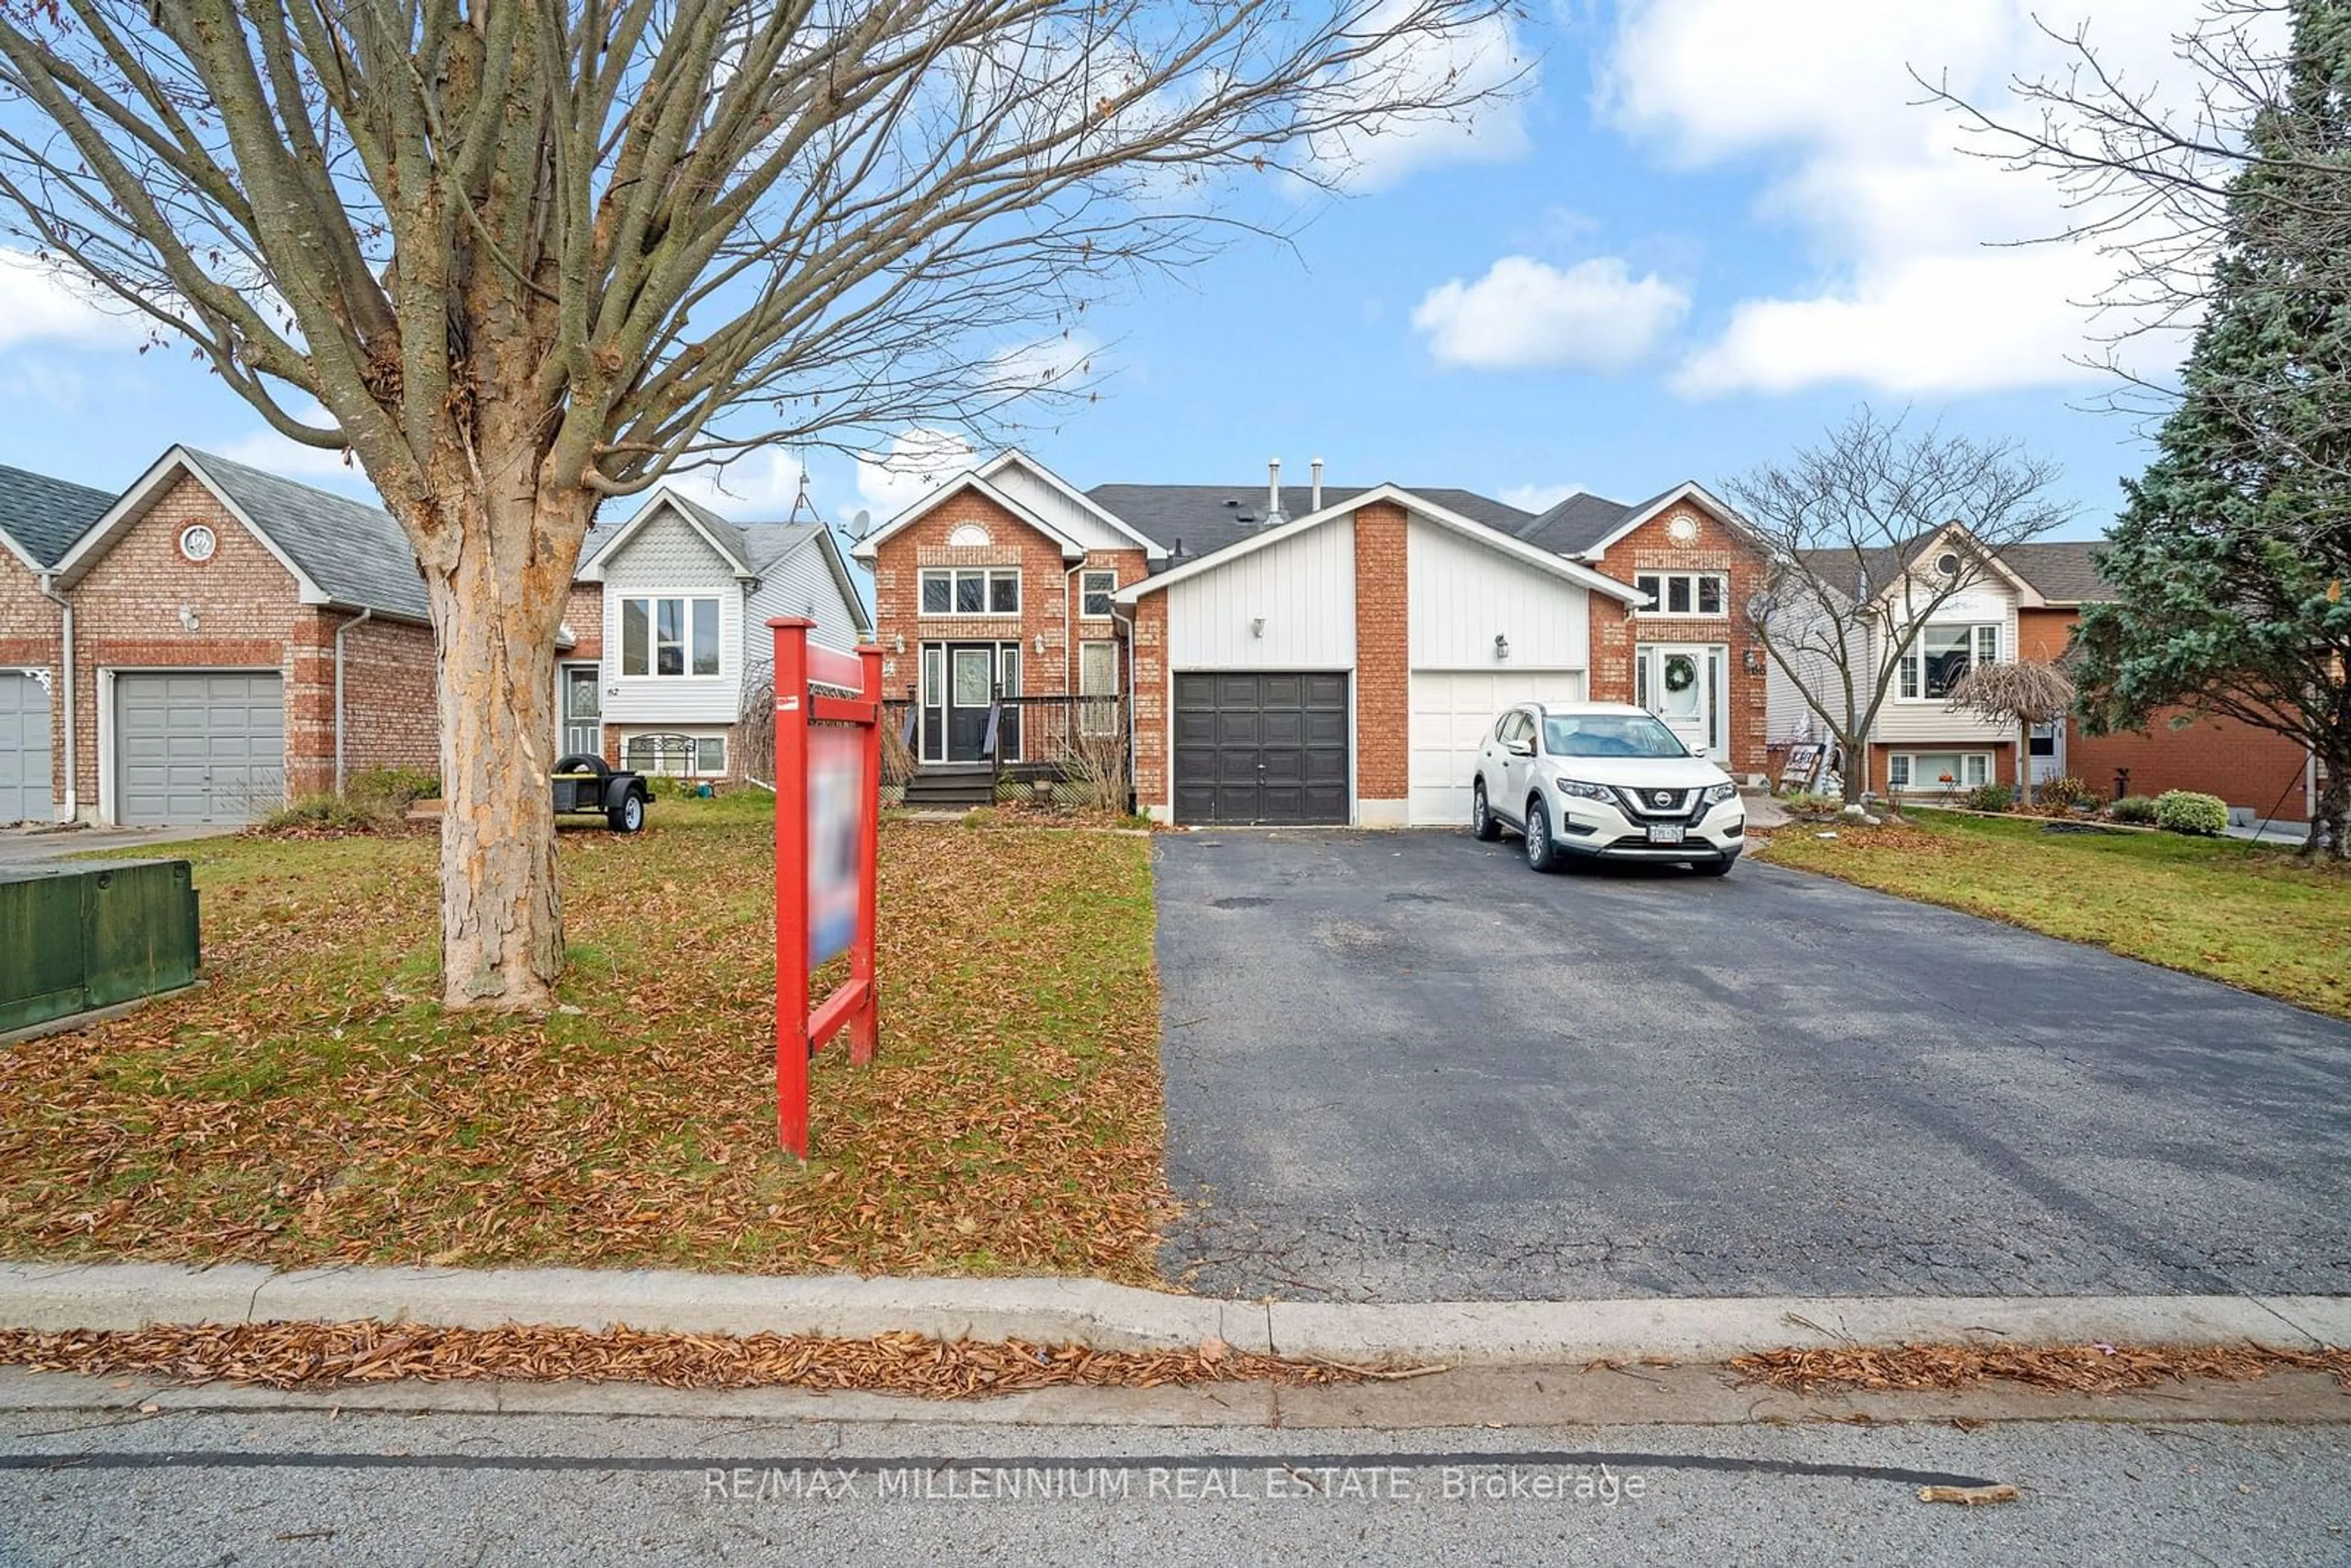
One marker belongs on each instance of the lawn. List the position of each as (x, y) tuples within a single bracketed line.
[(2254, 917), (312, 1104)]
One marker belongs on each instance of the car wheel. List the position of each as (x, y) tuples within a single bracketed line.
[(1715, 868), (1482, 826), (629, 816), (1540, 856)]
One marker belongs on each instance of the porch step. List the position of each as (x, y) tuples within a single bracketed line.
[(936, 786)]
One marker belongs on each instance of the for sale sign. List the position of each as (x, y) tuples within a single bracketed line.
[(836, 775)]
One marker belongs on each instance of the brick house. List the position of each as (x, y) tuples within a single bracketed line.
[(40, 518), (238, 640)]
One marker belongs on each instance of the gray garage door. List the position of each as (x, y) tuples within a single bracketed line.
[(198, 745), (1261, 747), (24, 749)]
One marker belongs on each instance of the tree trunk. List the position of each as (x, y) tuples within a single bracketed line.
[(2330, 824), (2025, 765), (1853, 772), (497, 607)]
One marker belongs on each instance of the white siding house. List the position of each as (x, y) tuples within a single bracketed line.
[(686, 598)]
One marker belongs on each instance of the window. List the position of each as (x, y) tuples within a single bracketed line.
[(1684, 592), (1931, 772), (1609, 735), (967, 536), (1094, 589), (663, 754), (972, 590), (1098, 677), (1516, 728), (1934, 663), (669, 636)]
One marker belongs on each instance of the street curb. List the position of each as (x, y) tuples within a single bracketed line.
[(100, 1296)]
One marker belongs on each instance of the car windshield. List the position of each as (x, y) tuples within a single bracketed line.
[(1609, 735)]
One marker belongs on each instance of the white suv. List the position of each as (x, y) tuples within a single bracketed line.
[(1605, 780)]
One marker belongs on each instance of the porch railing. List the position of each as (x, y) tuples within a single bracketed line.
[(1067, 745)]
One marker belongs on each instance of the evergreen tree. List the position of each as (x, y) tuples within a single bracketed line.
[(2231, 555)]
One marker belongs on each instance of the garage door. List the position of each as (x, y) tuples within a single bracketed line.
[(198, 745), (1451, 712), (24, 749), (1261, 747)]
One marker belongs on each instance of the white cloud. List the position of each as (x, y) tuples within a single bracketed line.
[(1525, 314), (1483, 57), (1536, 497), (757, 485), (1920, 285), (39, 303), (917, 463)]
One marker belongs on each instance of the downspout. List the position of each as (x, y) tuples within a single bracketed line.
[(47, 585), (362, 617)]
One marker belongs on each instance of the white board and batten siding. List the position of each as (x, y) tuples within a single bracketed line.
[(668, 558), (1302, 590), (1932, 720), (1051, 504), (1462, 596), (799, 584)]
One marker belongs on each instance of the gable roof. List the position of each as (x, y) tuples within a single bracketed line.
[(724, 538), (1581, 526), (1415, 502), (2062, 569), (1207, 520), (1884, 565), (1153, 549), (767, 545), (339, 551), (969, 479), (40, 518)]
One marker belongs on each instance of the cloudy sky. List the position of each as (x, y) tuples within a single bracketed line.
[(1708, 228)]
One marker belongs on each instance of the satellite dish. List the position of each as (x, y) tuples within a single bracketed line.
[(861, 523)]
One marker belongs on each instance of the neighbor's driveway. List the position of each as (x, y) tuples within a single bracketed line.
[(20, 848), (1402, 1066)]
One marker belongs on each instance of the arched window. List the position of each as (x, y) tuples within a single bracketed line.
[(968, 534)]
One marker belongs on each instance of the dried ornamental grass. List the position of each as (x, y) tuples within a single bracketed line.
[(307, 1355)]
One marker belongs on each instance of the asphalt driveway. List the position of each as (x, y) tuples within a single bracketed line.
[(1400, 1066)]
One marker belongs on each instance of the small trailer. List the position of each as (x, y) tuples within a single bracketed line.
[(585, 783)]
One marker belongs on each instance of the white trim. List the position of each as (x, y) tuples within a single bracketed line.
[(989, 574), (1087, 571), (969, 479), (1665, 595), (592, 569), (1493, 538), (131, 506), (2027, 596), (1917, 649), (1688, 490), (1961, 754), (1151, 549), (25, 556)]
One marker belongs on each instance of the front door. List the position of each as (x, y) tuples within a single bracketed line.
[(971, 687), (1681, 683), (2048, 752), (583, 728)]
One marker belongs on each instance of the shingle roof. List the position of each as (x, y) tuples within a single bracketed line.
[(352, 550), (1198, 516), (2062, 569), (1576, 524), (45, 516)]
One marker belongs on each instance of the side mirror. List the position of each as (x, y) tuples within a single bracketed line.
[(1521, 748)]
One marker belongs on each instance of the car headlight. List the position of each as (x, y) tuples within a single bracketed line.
[(1717, 793), (1580, 790)]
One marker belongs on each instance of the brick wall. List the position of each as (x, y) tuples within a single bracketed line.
[(127, 615), (1382, 659), (2003, 762), (1049, 591), (1717, 547), (1153, 694), (583, 612), (2244, 765), (30, 630)]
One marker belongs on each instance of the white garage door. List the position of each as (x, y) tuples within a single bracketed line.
[(1451, 712), (199, 746), (23, 749)]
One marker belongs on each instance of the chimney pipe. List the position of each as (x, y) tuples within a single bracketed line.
[(1316, 504), (1273, 492)]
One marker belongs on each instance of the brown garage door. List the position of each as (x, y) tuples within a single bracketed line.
[(1261, 748)]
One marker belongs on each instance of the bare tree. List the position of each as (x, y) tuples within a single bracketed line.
[(1866, 537), (2020, 695), (523, 257)]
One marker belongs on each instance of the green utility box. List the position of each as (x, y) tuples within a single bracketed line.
[(78, 937)]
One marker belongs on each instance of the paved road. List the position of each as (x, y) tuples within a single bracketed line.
[(366, 1490), (1401, 1066)]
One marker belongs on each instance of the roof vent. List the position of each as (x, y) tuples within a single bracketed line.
[(1230, 502), (1273, 518)]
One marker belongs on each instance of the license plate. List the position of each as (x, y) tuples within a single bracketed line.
[(1662, 834)]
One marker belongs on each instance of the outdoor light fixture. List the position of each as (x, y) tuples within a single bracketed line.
[(898, 644), (1501, 646), (188, 617), (1753, 659), (1256, 626), (1040, 644)]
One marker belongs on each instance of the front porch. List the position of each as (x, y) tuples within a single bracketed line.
[(1068, 751)]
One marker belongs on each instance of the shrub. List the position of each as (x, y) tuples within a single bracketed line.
[(2133, 808), (2064, 794), (2187, 811), (327, 816), (1991, 798), (401, 786)]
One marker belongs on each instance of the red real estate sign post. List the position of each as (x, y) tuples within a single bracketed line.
[(828, 849)]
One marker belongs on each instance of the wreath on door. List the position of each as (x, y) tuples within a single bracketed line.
[(1681, 672)]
